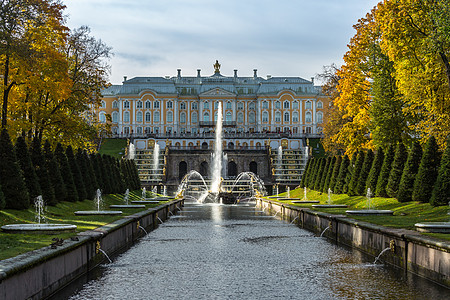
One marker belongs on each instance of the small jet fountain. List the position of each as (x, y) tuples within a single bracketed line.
[(330, 202), (369, 211), (98, 201), (127, 205), (435, 227)]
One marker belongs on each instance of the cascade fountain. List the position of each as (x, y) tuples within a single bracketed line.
[(39, 227), (369, 211), (155, 162), (126, 205), (98, 204), (436, 227), (329, 202)]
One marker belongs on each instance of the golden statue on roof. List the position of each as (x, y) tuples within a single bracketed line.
[(216, 67)]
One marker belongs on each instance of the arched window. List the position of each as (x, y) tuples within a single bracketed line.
[(232, 169), (254, 167), (183, 105), (251, 105), (126, 104), (148, 117), (286, 104), (103, 104), (206, 105), (183, 117), (204, 168), (102, 117), (206, 117), (148, 104), (319, 104), (169, 104), (139, 130), (277, 117), (115, 117), (295, 117), (169, 117), (228, 105), (240, 106), (251, 117), (115, 104), (194, 105), (215, 116), (240, 117), (308, 105), (139, 104), (319, 117), (265, 117), (156, 104), (286, 117), (308, 117), (277, 104), (156, 117), (295, 104), (265, 105), (139, 116), (216, 105), (182, 169), (126, 117), (228, 117), (194, 117)]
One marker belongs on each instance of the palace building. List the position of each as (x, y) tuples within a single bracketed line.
[(178, 113)]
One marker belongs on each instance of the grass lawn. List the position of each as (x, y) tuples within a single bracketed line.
[(14, 244), (113, 147), (406, 214)]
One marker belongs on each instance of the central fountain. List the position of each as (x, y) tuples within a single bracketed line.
[(98, 201), (369, 211)]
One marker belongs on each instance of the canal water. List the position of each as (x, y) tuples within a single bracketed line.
[(238, 252)]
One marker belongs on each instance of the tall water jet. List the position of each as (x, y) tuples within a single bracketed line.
[(155, 162), (216, 170), (131, 151), (279, 157)]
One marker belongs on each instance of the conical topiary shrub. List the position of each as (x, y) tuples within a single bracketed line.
[(340, 179), (375, 171), (352, 187), (311, 176), (334, 176), (2, 199), (305, 173), (441, 190), (396, 170), (406, 186), (54, 173), (349, 173), (364, 174), (329, 174), (66, 173), (11, 179), (86, 176), (29, 174), (427, 173), (77, 178), (90, 168), (48, 193), (384, 173), (319, 174), (324, 174)]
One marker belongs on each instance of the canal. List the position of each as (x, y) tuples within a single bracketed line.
[(216, 251)]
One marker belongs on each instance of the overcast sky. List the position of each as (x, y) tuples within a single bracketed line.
[(277, 37)]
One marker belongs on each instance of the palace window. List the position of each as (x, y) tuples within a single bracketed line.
[(194, 117), (319, 117), (215, 116), (156, 104), (295, 117), (228, 117), (265, 117), (286, 104), (183, 117), (308, 105), (277, 104), (265, 105), (228, 105), (126, 104), (319, 104), (240, 117), (156, 117), (308, 117), (115, 117), (206, 117), (206, 105), (139, 116), (126, 117), (216, 105), (251, 106), (147, 130), (102, 117), (139, 130), (251, 117), (277, 117), (169, 117), (139, 104), (169, 104), (183, 105), (194, 105), (148, 117), (240, 106), (115, 104), (102, 104), (295, 104), (148, 104), (286, 117)]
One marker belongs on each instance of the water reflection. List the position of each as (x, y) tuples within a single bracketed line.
[(235, 252)]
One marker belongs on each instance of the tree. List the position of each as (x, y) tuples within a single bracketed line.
[(312, 175), (375, 171), (86, 175), (305, 173), (329, 174), (324, 173), (364, 174), (427, 173), (31, 180), (349, 173), (2, 199), (441, 195), (396, 171), (340, 180), (334, 176), (11, 177), (383, 178), (352, 187), (320, 174), (406, 186), (77, 178), (66, 172), (97, 171), (54, 172), (48, 192)]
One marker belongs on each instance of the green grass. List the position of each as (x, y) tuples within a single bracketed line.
[(113, 147), (14, 244), (406, 214)]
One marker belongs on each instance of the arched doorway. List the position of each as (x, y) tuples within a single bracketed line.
[(254, 167), (204, 145), (230, 145), (182, 169), (204, 169), (232, 169)]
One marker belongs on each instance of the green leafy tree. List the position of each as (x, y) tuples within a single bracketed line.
[(329, 174), (77, 178), (48, 193), (11, 177), (406, 186), (383, 178), (31, 180), (395, 174), (441, 194), (54, 172), (375, 171), (352, 187), (427, 173), (364, 174), (66, 172)]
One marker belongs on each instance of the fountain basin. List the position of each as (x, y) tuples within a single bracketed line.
[(330, 206), (127, 206), (286, 198), (305, 202), (369, 212), (145, 202), (97, 212), (436, 227), (39, 228)]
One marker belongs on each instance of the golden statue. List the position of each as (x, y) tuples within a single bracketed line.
[(216, 67)]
